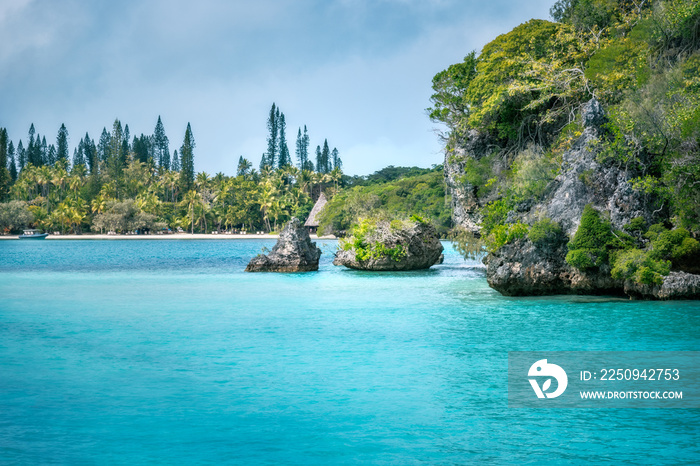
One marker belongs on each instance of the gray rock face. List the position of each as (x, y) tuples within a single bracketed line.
[(583, 180), (464, 201), (677, 285), (293, 252), (525, 269), (420, 242)]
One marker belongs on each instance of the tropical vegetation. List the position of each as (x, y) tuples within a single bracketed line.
[(122, 185), (523, 92)]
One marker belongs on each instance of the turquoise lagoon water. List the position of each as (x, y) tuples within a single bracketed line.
[(160, 352)]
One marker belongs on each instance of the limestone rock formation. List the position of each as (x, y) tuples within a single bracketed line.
[(410, 248), (677, 285), (523, 268), (293, 252)]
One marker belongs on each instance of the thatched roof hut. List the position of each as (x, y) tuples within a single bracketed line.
[(312, 222)]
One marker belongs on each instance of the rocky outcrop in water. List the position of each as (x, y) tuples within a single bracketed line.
[(394, 249), (293, 252), (523, 268), (677, 285)]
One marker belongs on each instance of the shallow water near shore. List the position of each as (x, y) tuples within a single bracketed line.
[(127, 352)]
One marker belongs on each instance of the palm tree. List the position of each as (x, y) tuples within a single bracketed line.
[(202, 180), (99, 204), (335, 176), (191, 200), (266, 201)]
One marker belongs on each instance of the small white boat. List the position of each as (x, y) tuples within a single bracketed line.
[(33, 234)]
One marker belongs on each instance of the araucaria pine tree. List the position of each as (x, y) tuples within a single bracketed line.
[(302, 151), (326, 157), (43, 152), (90, 152), (5, 178), (319, 160), (142, 148), (270, 157), (284, 157), (62, 144), (104, 145), (299, 150), (116, 159), (21, 155), (161, 152), (33, 149), (175, 163), (79, 155), (187, 161), (337, 163), (11, 162)]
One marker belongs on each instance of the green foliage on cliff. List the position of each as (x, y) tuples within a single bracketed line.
[(520, 87), (516, 105), (638, 266), (422, 195), (665, 250), (594, 241), (545, 231)]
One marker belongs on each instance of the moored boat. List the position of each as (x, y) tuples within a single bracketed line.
[(33, 234)]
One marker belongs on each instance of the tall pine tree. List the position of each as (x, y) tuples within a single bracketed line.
[(326, 157), (12, 163), (270, 157), (21, 155), (33, 148), (79, 155), (175, 163), (141, 148), (44, 152), (302, 151), (299, 150), (62, 144), (117, 159), (126, 143), (284, 157), (161, 151), (319, 160), (5, 178), (104, 145), (187, 161), (337, 163), (90, 152)]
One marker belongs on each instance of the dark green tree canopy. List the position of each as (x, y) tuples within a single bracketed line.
[(187, 160), (62, 144), (284, 157)]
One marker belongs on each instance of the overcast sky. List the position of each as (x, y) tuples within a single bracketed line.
[(357, 72)]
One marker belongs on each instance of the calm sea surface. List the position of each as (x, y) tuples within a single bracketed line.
[(133, 352)]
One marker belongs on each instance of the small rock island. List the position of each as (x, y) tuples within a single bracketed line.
[(391, 246), (293, 252)]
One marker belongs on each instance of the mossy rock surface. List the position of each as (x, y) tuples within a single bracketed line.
[(391, 247)]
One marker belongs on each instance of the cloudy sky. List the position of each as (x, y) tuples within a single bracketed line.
[(357, 72)]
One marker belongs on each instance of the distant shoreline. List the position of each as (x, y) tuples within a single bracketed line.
[(175, 236)]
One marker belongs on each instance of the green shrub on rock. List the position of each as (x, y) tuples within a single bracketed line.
[(671, 244), (638, 265), (545, 231), (594, 240)]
